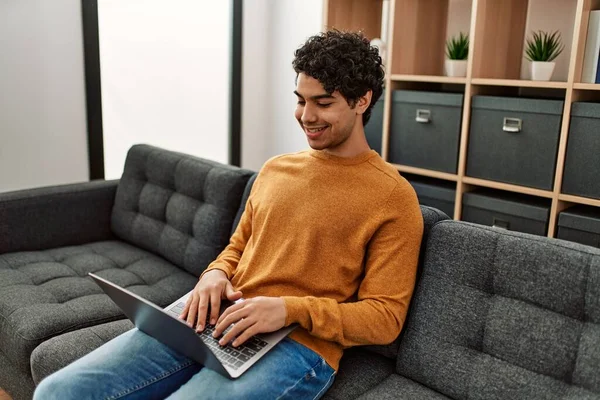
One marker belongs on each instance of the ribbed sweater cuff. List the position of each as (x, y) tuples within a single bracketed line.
[(296, 312)]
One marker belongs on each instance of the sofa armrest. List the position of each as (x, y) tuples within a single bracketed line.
[(55, 216)]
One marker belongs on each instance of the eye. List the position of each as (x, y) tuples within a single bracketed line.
[(324, 105), (301, 102)]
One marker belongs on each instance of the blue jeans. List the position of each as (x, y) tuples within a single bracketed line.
[(136, 366)]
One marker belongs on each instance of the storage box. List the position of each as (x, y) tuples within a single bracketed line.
[(440, 195), (514, 140), (582, 163), (425, 129), (580, 224), (511, 211), (374, 128)]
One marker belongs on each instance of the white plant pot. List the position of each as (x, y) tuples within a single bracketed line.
[(456, 68), (541, 70)]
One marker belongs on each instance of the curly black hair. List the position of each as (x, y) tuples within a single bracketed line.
[(343, 61)]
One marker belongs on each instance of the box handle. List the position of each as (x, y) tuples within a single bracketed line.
[(499, 223), (512, 125), (423, 116)]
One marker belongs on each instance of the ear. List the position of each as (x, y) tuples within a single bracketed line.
[(363, 103)]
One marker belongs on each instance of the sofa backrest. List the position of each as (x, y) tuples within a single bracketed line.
[(504, 315), (176, 205), (245, 196), (431, 216)]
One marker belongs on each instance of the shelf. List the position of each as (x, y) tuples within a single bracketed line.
[(427, 78), (587, 86), (426, 172), (498, 30), (579, 200), (519, 83), (508, 187)]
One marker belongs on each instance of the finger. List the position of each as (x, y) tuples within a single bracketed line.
[(202, 310), (224, 320), (247, 334), (236, 330), (215, 305), (231, 294), (193, 309), (186, 307)]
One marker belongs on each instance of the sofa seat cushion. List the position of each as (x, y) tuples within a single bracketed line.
[(62, 350), (396, 387), (500, 314), (360, 370), (47, 293)]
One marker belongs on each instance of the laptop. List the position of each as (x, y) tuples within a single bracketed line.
[(165, 326)]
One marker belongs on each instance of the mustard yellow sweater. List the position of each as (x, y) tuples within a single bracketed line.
[(338, 239)]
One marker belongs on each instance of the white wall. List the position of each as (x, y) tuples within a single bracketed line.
[(43, 139), (459, 18), (256, 81), (165, 77), (268, 124)]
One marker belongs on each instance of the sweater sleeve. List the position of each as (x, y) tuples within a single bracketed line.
[(229, 258), (377, 315)]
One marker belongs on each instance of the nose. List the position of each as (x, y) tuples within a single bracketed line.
[(309, 114)]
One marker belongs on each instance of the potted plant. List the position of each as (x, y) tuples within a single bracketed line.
[(541, 49), (457, 52)]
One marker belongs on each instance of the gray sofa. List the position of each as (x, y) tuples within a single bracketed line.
[(153, 231), (496, 314)]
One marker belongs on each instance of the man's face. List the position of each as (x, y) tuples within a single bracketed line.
[(327, 119)]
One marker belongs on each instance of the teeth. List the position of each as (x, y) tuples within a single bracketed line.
[(314, 130)]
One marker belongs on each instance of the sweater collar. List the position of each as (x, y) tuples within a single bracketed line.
[(360, 158)]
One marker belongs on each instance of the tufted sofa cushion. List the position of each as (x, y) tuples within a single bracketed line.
[(178, 206), (46, 293), (60, 351), (501, 314)]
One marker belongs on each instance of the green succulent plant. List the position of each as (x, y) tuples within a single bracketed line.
[(544, 46), (457, 47)]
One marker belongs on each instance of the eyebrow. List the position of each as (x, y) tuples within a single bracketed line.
[(317, 97)]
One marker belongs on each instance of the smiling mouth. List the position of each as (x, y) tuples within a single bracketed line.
[(315, 130)]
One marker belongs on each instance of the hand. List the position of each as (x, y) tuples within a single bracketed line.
[(213, 287), (252, 316)]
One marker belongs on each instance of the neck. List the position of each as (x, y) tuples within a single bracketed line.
[(355, 144)]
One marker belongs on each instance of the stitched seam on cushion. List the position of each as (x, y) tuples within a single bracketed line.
[(140, 214), (174, 191), (441, 339), (3, 261), (16, 267), (320, 360), (444, 277), (494, 272), (541, 239), (95, 334), (151, 381), (175, 183), (589, 268), (70, 328), (105, 256), (586, 317)]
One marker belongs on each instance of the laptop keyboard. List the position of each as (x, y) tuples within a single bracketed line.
[(230, 356)]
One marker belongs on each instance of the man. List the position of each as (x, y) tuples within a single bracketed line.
[(329, 241)]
